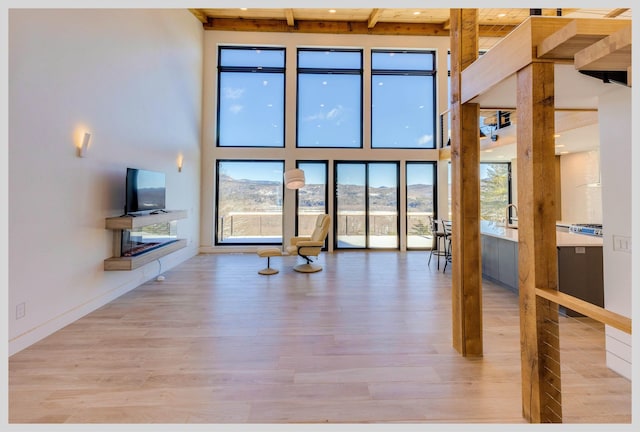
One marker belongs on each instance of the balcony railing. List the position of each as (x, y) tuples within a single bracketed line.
[(267, 226)]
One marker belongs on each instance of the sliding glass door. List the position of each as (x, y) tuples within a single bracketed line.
[(311, 200), (421, 203), (351, 205), (366, 205)]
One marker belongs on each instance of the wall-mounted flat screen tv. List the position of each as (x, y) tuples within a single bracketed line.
[(145, 192)]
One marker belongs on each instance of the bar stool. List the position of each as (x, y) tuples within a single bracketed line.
[(438, 246), (446, 227)]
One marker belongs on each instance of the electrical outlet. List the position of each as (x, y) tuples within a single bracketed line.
[(21, 310)]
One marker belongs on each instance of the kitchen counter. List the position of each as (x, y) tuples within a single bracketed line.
[(579, 261), (563, 239)]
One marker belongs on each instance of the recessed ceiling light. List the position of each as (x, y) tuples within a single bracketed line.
[(417, 13), (502, 15), (332, 11), (243, 8)]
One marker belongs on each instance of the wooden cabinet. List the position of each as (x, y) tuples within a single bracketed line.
[(124, 226), (580, 274)]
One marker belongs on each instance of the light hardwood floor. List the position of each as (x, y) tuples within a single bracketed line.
[(366, 340)]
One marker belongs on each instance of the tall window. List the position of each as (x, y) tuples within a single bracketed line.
[(329, 98), (495, 190), (251, 92), (249, 202), (312, 198), (403, 99), (421, 202)]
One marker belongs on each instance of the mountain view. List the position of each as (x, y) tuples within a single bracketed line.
[(250, 208)]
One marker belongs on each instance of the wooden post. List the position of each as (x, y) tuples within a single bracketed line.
[(465, 186), (537, 259)]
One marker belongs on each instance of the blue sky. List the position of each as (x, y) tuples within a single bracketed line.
[(329, 107)]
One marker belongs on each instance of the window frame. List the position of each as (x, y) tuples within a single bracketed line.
[(326, 193), (367, 233), (330, 71), (251, 69), (217, 240), (407, 72), (509, 181), (434, 164)]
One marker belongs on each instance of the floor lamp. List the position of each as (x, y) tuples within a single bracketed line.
[(293, 179)]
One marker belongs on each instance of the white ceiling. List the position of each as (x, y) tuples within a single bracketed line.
[(576, 140), (573, 90)]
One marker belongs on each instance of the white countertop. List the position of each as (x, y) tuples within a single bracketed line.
[(563, 239)]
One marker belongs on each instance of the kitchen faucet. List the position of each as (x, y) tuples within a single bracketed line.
[(506, 221)]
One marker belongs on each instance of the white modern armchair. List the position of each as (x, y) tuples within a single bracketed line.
[(310, 246)]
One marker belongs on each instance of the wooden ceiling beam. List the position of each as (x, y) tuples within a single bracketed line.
[(612, 53), (198, 13), (566, 11), (374, 17), (616, 12), (290, 20), (345, 27), (577, 35), (340, 27)]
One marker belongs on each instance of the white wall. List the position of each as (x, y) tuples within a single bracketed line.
[(581, 202), (614, 111), (290, 153), (133, 79)]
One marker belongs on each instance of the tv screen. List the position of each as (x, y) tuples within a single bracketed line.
[(145, 191)]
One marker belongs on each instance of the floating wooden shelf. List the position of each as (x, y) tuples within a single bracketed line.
[(122, 223), (131, 222)]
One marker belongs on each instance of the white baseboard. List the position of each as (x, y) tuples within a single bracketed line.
[(139, 276), (619, 352)]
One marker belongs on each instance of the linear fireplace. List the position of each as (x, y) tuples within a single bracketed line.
[(146, 238)]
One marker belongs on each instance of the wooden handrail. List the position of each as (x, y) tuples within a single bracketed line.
[(592, 311)]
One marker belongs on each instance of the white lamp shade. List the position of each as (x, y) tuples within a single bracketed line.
[(294, 178)]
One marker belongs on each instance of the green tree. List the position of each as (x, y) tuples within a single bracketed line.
[(494, 192)]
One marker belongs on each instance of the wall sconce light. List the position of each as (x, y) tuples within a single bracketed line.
[(180, 161), (83, 148), (294, 178)]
